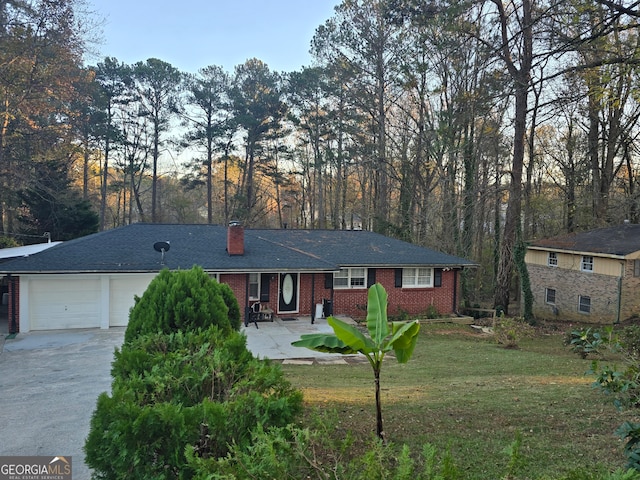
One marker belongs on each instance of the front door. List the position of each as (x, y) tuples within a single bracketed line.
[(288, 295)]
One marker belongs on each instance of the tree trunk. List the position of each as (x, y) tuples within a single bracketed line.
[(105, 173), (521, 78), (250, 173), (514, 205), (85, 167), (593, 141), (209, 179), (379, 429), (154, 178)]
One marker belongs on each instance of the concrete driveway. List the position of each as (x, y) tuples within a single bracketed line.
[(49, 382)]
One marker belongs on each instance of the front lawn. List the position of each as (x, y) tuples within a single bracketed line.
[(464, 393)]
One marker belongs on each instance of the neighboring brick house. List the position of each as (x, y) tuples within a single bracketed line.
[(91, 281), (587, 277)]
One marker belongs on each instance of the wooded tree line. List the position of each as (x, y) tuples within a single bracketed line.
[(467, 126)]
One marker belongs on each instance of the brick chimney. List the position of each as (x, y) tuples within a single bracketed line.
[(235, 238)]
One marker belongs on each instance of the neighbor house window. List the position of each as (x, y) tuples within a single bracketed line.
[(417, 277), (586, 265), (636, 268), (350, 278), (552, 259), (550, 295), (584, 304), (254, 286)]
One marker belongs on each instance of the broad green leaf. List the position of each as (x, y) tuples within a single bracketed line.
[(403, 341), (323, 342), (377, 314), (351, 336), (349, 339)]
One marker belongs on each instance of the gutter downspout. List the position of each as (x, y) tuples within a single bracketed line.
[(455, 291), (313, 298), (246, 300), (620, 292)]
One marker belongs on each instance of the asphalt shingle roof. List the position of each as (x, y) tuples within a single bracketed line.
[(130, 249), (619, 240)]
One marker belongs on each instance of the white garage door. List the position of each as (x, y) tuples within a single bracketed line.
[(72, 302), (122, 290)]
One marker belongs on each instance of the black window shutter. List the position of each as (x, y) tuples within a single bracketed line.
[(265, 281), (398, 278), (371, 276), (328, 281), (437, 277)]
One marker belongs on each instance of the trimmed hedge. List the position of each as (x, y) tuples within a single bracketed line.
[(183, 381), (198, 390), (183, 300)]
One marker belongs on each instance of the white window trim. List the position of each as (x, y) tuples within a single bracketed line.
[(583, 263), (350, 278), (580, 297), (257, 297), (546, 296), (555, 259), (416, 277)]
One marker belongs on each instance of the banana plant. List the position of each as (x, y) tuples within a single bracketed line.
[(399, 337)]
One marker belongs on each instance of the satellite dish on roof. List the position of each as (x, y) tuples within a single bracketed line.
[(161, 247)]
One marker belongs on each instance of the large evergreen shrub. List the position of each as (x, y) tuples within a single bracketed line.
[(183, 300), (232, 304), (197, 389)]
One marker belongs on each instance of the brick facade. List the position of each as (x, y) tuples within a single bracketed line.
[(601, 267), (314, 288), (630, 293), (569, 285), (13, 312)]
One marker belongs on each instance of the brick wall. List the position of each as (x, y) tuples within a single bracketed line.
[(350, 302), (312, 292), (353, 302), (630, 293), (14, 304), (414, 301), (238, 283), (569, 285)]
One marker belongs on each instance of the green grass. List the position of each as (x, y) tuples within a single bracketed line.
[(466, 394)]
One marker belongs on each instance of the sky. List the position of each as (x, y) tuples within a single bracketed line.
[(192, 34)]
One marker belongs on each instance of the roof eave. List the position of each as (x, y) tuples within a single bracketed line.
[(582, 252)]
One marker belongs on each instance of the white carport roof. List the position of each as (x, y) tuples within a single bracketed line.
[(25, 251)]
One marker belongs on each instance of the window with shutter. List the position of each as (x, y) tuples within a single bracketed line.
[(328, 281), (371, 276), (437, 277), (265, 283), (417, 277), (254, 286), (398, 278), (350, 278)]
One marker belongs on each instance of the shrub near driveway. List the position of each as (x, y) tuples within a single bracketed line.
[(183, 300), (197, 389), (192, 388)]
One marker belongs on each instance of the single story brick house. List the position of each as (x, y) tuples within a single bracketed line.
[(91, 281), (590, 277)]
